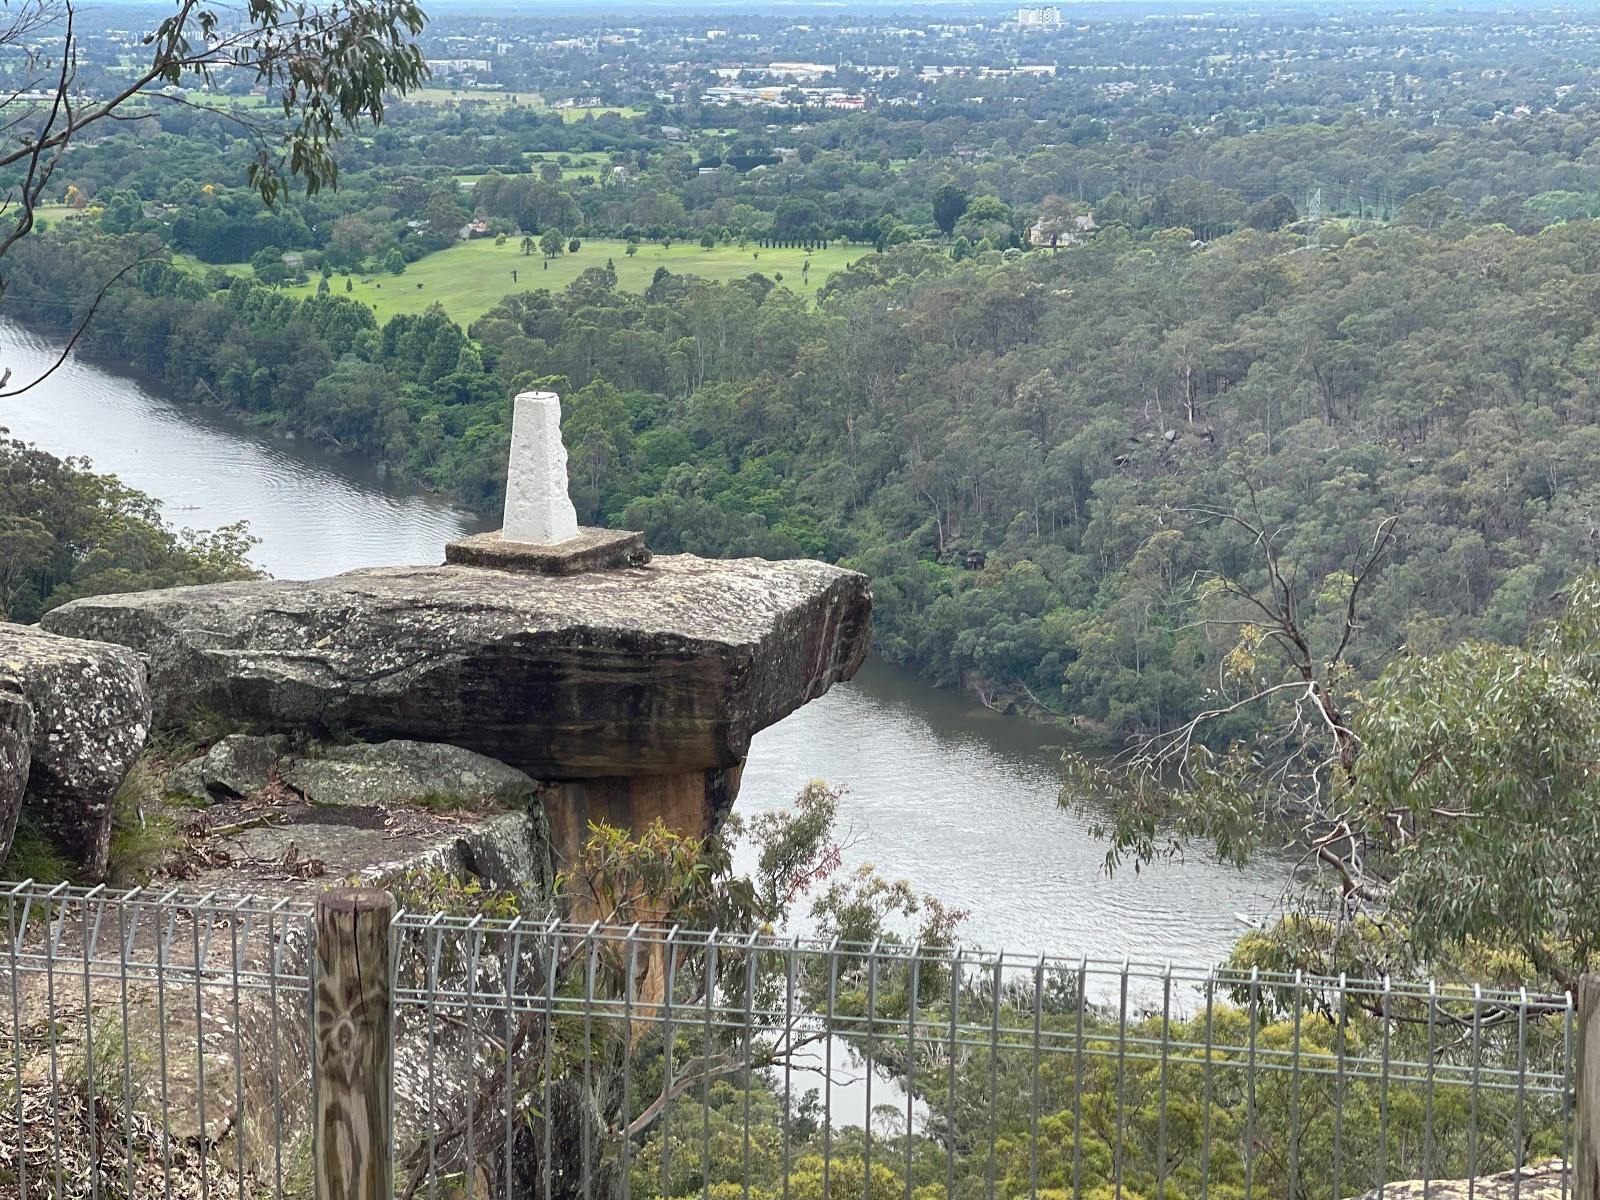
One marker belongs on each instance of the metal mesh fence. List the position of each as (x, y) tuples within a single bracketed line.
[(158, 1045), (673, 1063), (152, 1044)]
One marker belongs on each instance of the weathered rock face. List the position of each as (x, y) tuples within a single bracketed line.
[(404, 771), (663, 668), (240, 765), (91, 715), (1546, 1180), (694, 804), (16, 749)]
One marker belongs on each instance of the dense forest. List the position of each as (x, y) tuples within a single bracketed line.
[(1026, 453), (1148, 121), (870, 178), (1099, 312), (1235, 264)]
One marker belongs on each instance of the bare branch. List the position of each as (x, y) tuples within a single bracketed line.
[(1382, 540), (83, 325)]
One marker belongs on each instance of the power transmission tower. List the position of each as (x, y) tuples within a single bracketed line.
[(1313, 217)]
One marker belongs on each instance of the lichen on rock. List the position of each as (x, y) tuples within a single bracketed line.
[(241, 765), (402, 771), (16, 750), (91, 715)]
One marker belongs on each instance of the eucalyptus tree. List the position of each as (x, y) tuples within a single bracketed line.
[(327, 68), (1447, 806)]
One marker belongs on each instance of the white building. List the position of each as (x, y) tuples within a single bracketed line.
[(459, 66), (1048, 17), (799, 70)]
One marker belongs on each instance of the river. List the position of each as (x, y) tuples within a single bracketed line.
[(960, 801)]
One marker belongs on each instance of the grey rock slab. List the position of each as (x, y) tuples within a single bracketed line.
[(187, 781), (665, 667), (240, 765), (16, 750), (92, 711), (400, 771)]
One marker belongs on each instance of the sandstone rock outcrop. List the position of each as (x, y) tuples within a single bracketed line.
[(16, 749), (1546, 1180), (241, 765), (402, 771), (91, 714), (665, 668)]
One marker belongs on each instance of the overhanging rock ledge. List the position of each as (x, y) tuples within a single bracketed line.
[(660, 669), (628, 687)]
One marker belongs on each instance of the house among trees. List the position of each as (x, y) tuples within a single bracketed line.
[(1062, 231)]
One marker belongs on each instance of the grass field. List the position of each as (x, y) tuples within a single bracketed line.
[(471, 278), (571, 115), (49, 212), (190, 263), (443, 95), (497, 100), (226, 100), (437, 95), (577, 164)]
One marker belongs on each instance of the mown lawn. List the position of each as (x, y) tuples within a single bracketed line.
[(577, 164), (471, 278), (190, 263), (51, 213), (441, 95), (444, 95), (498, 100)]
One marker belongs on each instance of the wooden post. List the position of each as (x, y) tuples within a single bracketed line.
[(1586, 1088), (352, 1103)]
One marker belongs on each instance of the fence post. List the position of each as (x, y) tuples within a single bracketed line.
[(1586, 1092), (352, 1102)]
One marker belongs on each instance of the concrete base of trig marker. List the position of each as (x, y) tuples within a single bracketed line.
[(591, 550), (538, 510)]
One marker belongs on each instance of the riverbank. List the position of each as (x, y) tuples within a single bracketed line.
[(314, 511), (680, 411)]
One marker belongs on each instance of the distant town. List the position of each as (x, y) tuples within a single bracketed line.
[(1379, 62)]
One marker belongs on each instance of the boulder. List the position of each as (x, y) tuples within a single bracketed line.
[(235, 768), (400, 772), (666, 667), (187, 782), (91, 714), (16, 749), (241, 765)]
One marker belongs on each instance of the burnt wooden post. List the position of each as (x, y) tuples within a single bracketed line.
[(352, 1102), (1586, 1089)]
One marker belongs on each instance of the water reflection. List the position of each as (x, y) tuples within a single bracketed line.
[(963, 802)]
